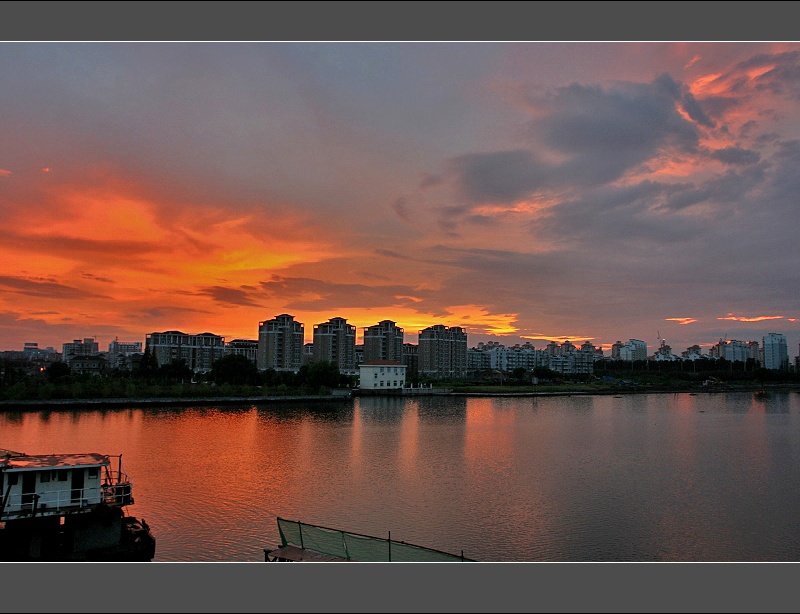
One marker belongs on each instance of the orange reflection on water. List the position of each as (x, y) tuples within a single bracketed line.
[(408, 450), (489, 437)]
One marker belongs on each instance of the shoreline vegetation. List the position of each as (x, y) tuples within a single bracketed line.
[(333, 396), (235, 380)]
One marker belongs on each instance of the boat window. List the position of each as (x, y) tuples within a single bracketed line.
[(13, 478), (44, 477), (93, 472), (63, 474)]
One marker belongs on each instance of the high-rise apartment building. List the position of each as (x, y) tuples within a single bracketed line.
[(335, 341), (443, 351), (199, 351), (280, 344), (411, 359), (776, 352), (633, 349), (383, 341)]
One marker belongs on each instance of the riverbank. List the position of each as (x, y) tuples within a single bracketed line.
[(168, 401), (477, 391), (588, 390)]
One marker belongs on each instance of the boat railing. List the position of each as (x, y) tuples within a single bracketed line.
[(117, 488), (52, 501)]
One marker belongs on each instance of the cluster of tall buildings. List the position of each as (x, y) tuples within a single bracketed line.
[(440, 351), (772, 354)]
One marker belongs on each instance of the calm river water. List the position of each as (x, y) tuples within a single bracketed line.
[(659, 477)]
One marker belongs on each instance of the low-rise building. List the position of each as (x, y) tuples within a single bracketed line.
[(119, 353), (92, 365), (243, 347), (199, 351), (87, 347), (382, 375)]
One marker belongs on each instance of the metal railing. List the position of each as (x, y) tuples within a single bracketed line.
[(53, 501), (351, 546), (118, 494)]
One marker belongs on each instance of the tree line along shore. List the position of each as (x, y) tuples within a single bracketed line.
[(235, 378)]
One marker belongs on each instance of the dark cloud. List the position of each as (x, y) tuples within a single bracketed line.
[(482, 220), (607, 131), (14, 325), (634, 215), (391, 254), (502, 176), (720, 106), (230, 296), (767, 138), (781, 75), (736, 155), (116, 251), (583, 138), (401, 208), (695, 110), (302, 293), (430, 180), (97, 278), (47, 288), (163, 313)]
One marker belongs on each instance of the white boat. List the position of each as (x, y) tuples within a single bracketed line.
[(68, 507)]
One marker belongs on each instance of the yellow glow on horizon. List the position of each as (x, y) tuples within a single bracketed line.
[(575, 339)]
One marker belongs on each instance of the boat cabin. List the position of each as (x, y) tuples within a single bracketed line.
[(59, 484)]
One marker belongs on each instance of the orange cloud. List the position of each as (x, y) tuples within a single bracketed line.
[(4, 172), (691, 62), (105, 256), (730, 316), (681, 320), (479, 320)]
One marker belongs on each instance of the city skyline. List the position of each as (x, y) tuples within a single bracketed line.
[(522, 191), (358, 338)]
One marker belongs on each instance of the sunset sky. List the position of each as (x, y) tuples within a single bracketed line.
[(524, 191)]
